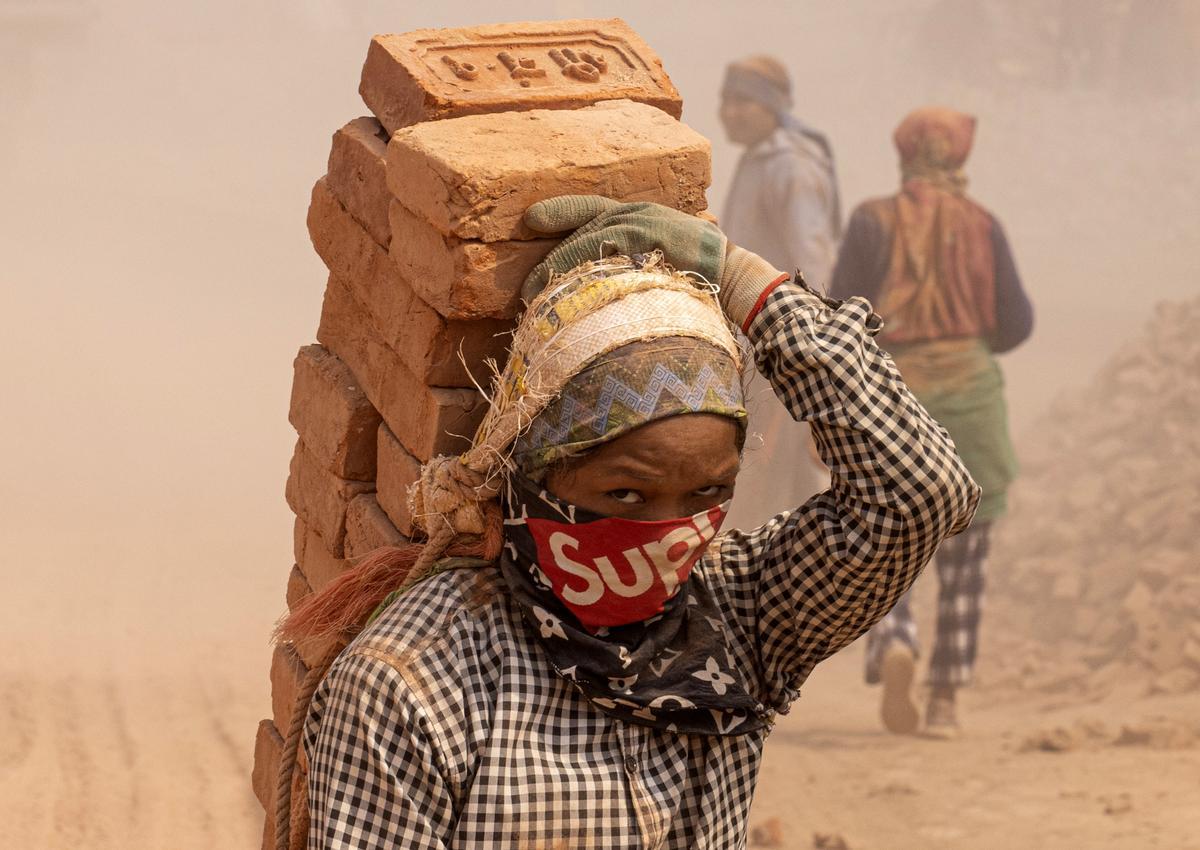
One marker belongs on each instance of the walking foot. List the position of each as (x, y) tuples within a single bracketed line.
[(899, 710), (941, 718)]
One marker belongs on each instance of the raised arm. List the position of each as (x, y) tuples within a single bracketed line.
[(811, 581)]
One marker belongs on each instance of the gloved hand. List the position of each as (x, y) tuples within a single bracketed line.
[(604, 227)]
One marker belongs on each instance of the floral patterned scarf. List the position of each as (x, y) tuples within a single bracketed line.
[(674, 671)]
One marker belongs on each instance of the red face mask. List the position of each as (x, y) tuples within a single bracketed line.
[(612, 571)]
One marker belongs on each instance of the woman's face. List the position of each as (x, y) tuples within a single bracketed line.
[(670, 468)]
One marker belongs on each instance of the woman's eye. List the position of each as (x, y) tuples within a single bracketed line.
[(710, 490), (626, 497)]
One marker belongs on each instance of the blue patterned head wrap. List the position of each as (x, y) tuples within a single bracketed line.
[(626, 388)]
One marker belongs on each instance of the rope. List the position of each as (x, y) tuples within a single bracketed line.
[(430, 555), (452, 489), (291, 745)]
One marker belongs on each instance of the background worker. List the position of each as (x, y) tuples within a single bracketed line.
[(939, 271), (783, 205)]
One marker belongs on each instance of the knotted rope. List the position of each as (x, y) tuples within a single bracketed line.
[(452, 491)]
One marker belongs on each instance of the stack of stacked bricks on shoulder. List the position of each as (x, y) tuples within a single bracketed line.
[(419, 222)]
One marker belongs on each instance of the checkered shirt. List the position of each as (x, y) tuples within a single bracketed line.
[(445, 726)]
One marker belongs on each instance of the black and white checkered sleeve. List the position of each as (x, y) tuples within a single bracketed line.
[(374, 780), (812, 580)]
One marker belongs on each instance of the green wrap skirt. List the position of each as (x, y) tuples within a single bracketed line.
[(960, 384)]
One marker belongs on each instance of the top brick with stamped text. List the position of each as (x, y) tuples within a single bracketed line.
[(425, 75)]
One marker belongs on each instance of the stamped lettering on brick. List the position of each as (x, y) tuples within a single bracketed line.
[(462, 70), (431, 74), (585, 66), (527, 63), (522, 69)]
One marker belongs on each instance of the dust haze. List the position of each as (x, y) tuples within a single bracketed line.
[(157, 160)]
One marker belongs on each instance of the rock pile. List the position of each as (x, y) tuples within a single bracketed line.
[(1096, 572), (419, 223)]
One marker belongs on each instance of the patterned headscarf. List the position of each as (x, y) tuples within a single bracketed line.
[(627, 388)]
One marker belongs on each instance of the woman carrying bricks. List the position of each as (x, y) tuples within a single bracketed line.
[(579, 656)]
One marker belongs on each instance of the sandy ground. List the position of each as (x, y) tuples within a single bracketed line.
[(126, 760), (831, 770)]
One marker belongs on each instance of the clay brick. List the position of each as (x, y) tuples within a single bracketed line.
[(287, 675), (332, 415), (268, 747), (428, 344), (358, 175), (368, 528), (432, 74), (313, 652), (426, 418), (319, 565), (474, 177), (299, 532), (298, 588), (319, 497), (268, 744), (350, 253), (462, 278), (397, 470)]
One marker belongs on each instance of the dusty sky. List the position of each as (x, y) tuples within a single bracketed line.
[(157, 159)]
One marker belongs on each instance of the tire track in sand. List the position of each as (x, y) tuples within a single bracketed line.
[(136, 762)]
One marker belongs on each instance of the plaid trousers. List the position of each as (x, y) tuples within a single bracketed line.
[(961, 563)]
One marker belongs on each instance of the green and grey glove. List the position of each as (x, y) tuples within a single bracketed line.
[(604, 227)]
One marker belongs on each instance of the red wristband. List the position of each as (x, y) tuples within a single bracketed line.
[(762, 298)]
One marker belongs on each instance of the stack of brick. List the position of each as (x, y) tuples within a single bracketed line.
[(419, 221)]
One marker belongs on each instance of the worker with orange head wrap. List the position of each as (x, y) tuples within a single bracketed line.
[(938, 268)]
